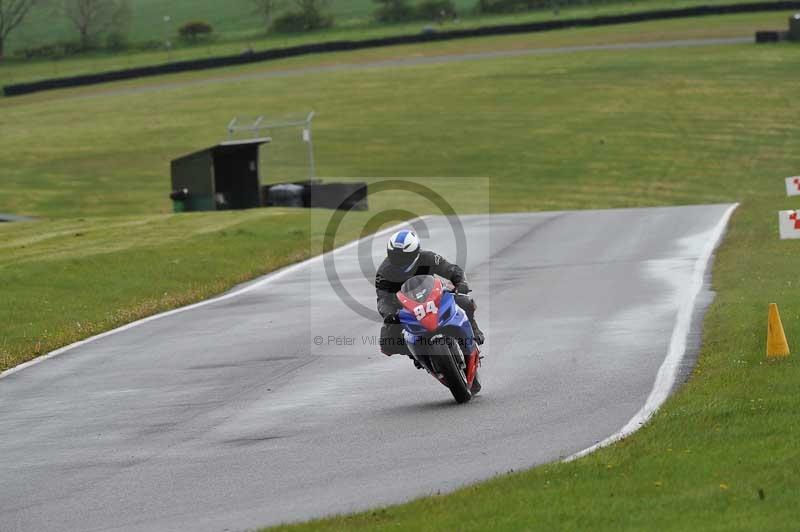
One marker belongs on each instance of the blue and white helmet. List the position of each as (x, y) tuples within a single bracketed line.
[(403, 250)]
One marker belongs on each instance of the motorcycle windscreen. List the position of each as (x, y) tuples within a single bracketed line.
[(418, 287)]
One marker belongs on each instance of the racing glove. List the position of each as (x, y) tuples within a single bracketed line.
[(462, 288), (391, 319)]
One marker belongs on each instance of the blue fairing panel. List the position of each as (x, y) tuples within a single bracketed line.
[(451, 317)]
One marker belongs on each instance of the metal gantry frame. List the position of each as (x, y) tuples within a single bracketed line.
[(260, 128)]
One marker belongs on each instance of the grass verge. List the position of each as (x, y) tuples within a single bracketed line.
[(592, 129)]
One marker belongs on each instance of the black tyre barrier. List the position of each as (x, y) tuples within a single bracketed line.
[(315, 194), (343, 196), (340, 46), (768, 36)]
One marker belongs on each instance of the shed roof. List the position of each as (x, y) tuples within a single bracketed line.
[(233, 143), (238, 142)]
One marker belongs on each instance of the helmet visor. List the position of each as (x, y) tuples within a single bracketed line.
[(403, 260)]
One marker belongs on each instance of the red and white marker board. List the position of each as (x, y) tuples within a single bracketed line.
[(793, 186), (789, 224)]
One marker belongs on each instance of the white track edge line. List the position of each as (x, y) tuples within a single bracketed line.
[(267, 278), (668, 372)]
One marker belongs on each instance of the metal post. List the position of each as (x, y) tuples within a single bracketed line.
[(259, 127), (312, 166), (167, 42)]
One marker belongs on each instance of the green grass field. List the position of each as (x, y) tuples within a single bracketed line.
[(583, 130), (238, 30)]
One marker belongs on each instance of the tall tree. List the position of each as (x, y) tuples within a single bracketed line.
[(306, 15), (314, 13), (12, 13), (93, 17), (311, 5), (394, 11), (311, 8), (266, 9)]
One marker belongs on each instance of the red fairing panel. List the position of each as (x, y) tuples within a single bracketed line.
[(473, 361), (426, 312)]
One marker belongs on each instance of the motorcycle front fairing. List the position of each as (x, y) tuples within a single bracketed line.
[(432, 325), (451, 321)]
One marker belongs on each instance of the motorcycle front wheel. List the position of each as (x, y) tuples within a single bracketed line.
[(447, 362)]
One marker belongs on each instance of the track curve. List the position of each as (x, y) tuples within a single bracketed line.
[(229, 416)]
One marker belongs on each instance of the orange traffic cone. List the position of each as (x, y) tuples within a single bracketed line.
[(777, 347)]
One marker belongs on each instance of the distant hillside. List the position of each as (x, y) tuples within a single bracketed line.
[(230, 19), (234, 19)]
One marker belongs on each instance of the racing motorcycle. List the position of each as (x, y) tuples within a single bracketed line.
[(439, 335)]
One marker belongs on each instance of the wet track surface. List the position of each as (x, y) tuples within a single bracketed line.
[(229, 416)]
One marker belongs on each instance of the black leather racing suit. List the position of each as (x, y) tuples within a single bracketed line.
[(388, 281)]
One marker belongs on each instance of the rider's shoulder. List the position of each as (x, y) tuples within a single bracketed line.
[(384, 266), (430, 258)]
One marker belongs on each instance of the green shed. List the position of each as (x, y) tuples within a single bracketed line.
[(225, 176)]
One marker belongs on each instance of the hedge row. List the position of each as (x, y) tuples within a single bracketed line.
[(338, 46)]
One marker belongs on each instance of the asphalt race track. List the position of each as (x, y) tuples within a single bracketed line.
[(405, 62), (227, 416)]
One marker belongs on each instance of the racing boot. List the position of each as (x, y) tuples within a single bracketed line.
[(479, 337), (469, 306), (416, 362)]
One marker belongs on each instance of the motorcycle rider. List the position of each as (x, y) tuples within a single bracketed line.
[(405, 259)]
